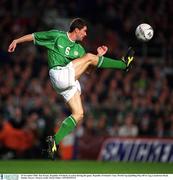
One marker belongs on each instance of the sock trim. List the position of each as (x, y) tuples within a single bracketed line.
[(73, 120), (100, 61)]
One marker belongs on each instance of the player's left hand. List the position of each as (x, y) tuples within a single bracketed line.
[(101, 50)]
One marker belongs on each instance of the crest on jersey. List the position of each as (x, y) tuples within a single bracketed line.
[(76, 53)]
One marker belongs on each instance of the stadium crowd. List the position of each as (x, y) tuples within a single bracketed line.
[(117, 104)]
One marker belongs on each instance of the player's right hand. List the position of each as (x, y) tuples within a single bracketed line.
[(12, 46), (102, 50)]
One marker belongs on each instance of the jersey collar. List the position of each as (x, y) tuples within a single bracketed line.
[(69, 38)]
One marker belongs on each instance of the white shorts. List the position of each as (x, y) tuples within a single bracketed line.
[(63, 81)]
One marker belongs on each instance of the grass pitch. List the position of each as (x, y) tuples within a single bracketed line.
[(82, 167)]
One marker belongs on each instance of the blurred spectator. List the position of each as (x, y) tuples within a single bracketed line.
[(15, 141), (129, 129), (144, 126), (102, 124), (159, 128), (113, 129)]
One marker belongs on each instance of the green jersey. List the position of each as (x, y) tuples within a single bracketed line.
[(61, 50)]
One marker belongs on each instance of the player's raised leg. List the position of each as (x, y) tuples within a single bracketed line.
[(81, 64)]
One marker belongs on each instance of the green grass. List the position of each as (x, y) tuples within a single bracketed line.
[(85, 167)]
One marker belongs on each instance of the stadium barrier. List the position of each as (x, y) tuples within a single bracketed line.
[(137, 149)]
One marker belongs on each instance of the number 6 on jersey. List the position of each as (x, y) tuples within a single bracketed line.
[(67, 50)]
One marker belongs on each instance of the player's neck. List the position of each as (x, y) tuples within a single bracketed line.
[(71, 36)]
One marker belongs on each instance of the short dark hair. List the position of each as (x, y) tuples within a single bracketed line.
[(77, 23)]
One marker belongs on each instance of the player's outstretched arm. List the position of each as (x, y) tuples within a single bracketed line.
[(22, 39)]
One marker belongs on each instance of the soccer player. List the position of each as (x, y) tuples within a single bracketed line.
[(67, 61)]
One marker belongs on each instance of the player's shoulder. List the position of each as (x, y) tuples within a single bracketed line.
[(80, 46), (57, 31)]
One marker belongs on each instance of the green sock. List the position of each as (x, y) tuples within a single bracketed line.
[(105, 62), (66, 127)]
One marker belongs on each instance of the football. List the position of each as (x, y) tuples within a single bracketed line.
[(144, 32)]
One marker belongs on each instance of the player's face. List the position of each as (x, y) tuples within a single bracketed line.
[(81, 33)]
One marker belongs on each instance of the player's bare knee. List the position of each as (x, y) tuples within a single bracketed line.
[(78, 116), (91, 58)]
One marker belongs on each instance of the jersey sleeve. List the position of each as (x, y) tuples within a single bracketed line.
[(45, 38)]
